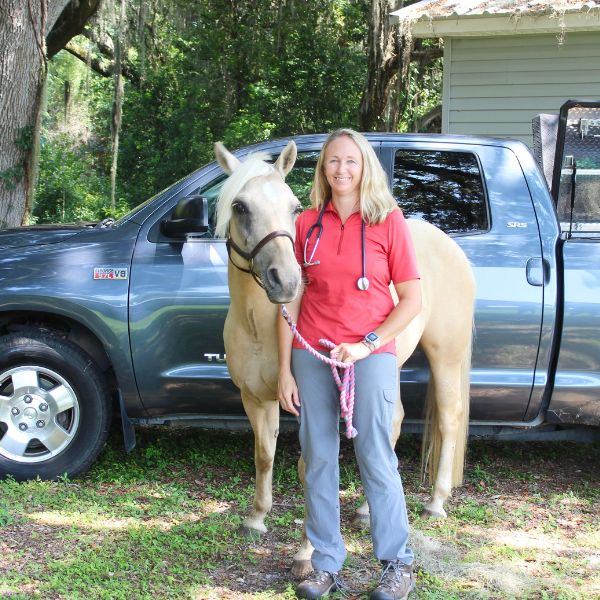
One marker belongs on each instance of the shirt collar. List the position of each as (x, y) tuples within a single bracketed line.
[(331, 209)]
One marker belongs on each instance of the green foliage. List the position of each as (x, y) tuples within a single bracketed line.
[(205, 70), (23, 141), (6, 518), (24, 138), (73, 183), (70, 189), (10, 177), (424, 90), (241, 78)]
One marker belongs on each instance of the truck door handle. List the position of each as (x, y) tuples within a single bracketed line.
[(536, 271)]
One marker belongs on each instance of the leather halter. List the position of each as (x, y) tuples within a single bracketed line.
[(249, 256)]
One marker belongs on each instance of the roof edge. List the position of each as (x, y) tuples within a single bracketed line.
[(454, 25)]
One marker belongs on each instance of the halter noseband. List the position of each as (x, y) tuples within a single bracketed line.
[(249, 256)]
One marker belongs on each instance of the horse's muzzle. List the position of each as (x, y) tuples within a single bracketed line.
[(281, 286)]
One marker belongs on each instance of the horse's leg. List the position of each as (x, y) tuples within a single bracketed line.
[(264, 418), (302, 565), (446, 420)]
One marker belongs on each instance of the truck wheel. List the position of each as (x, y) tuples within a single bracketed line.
[(54, 407)]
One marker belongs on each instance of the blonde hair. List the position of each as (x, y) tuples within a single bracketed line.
[(253, 166), (376, 200)]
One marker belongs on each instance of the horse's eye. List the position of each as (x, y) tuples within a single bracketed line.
[(298, 209), (239, 208)]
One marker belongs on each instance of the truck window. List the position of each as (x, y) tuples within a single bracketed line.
[(444, 188), (211, 192), (300, 179)]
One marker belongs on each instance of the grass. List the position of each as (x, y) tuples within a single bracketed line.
[(162, 522)]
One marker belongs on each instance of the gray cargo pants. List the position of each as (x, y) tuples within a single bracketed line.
[(376, 390)]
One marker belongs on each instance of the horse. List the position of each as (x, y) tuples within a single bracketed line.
[(256, 212)]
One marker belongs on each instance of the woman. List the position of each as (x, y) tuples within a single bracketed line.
[(358, 245)]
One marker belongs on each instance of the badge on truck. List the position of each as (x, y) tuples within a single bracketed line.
[(110, 272)]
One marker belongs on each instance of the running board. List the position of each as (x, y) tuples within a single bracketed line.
[(516, 431)]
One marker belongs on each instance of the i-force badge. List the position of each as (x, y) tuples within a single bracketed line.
[(110, 272)]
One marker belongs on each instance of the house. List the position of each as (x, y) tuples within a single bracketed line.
[(505, 62)]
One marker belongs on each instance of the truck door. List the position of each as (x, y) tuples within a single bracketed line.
[(477, 194), (178, 303), (576, 190)]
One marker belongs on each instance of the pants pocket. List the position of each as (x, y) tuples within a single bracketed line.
[(387, 407), (389, 395)]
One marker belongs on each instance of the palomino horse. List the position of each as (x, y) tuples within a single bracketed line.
[(256, 213)]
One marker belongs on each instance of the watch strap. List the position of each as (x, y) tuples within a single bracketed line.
[(372, 343)]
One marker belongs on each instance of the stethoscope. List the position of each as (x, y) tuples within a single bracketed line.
[(362, 282)]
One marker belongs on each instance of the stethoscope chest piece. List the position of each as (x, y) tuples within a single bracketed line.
[(363, 284)]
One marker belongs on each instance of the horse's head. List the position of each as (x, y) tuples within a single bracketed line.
[(256, 212)]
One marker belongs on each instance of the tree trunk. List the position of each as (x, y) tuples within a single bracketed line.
[(382, 65), (389, 53), (117, 110), (24, 25)]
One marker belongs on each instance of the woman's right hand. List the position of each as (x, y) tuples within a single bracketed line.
[(287, 393)]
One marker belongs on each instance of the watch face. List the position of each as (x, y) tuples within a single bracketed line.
[(372, 337)]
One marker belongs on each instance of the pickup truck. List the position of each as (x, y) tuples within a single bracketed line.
[(127, 315)]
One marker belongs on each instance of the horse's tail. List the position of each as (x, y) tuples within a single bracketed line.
[(432, 436)]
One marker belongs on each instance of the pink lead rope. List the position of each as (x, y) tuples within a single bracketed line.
[(345, 383)]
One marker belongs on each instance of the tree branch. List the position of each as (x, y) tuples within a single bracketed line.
[(424, 57), (423, 124), (70, 23), (427, 55), (84, 56), (129, 72)]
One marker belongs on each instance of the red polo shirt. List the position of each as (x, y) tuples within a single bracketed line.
[(332, 305)]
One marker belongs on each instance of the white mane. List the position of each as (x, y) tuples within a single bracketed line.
[(253, 166)]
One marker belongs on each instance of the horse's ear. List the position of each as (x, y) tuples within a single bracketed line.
[(286, 159), (227, 160)]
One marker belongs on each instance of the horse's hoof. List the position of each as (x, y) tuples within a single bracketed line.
[(249, 532), (361, 521), (301, 569), (432, 513)]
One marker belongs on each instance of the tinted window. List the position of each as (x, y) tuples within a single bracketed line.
[(300, 178), (444, 188), (211, 192)]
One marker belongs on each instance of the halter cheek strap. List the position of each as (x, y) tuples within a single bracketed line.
[(249, 256)]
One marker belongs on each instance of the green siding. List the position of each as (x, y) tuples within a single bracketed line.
[(495, 86)]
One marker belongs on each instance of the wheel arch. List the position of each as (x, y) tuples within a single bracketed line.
[(66, 327)]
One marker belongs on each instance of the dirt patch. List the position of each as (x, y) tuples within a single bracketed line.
[(524, 525)]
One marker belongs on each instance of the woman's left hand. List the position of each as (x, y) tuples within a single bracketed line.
[(350, 353)]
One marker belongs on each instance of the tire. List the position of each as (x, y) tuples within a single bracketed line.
[(54, 407)]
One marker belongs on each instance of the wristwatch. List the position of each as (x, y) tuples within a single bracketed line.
[(372, 340)]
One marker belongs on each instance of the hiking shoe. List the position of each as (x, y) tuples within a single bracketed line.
[(318, 585), (396, 582)]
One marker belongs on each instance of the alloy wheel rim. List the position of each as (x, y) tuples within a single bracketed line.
[(39, 414)]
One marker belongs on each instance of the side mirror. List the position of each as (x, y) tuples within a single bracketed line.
[(190, 215)]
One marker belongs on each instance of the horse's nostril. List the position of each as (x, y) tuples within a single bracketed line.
[(273, 275)]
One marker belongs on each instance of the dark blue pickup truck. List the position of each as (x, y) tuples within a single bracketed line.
[(128, 314)]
